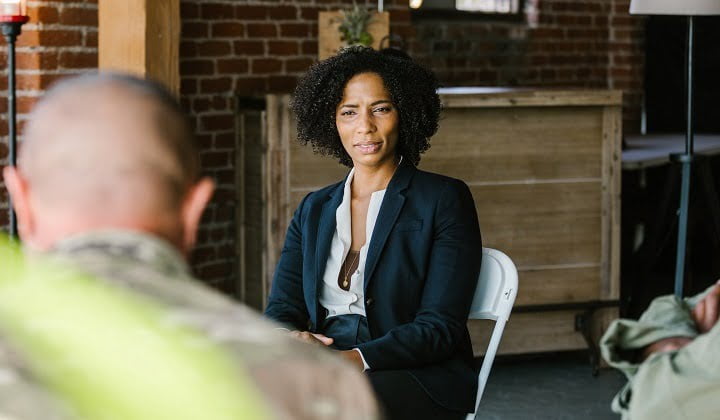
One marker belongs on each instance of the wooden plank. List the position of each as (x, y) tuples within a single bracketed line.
[(162, 55), (251, 211), (329, 42), (312, 171), (500, 145), (276, 183), (528, 97), (530, 333), (550, 285), (611, 200), (140, 37), (541, 224)]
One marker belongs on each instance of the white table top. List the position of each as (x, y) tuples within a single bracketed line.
[(644, 151)]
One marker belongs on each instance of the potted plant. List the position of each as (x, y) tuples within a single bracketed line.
[(353, 26)]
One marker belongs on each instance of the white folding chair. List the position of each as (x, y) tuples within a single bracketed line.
[(494, 298)]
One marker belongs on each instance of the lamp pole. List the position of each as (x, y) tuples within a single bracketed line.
[(686, 161), (11, 27)]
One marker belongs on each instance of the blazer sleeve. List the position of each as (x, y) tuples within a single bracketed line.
[(439, 325), (286, 303)]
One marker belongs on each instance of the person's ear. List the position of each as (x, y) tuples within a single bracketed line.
[(193, 207), (19, 191)]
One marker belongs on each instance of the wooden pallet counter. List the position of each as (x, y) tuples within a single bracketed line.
[(543, 167)]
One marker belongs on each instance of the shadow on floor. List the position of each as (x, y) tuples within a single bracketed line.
[(554, 386)]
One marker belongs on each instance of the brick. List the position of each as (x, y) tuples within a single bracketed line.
[(265, 65), (91, 39), (195, 30), (79, 16), (247, 85), (44, 14), (228, 29), (225, 141), (188, 49), (214, 48), (294, 30), (283, 47), (283, 12), (310, 47), (78, 60), (232, 66), (60, 38), (282, 84), (46, 60), (261, 30), (189, 10), (216, 85), (245, 12), (28, 38), (298, 64), (197, 67), (310, 13), (188, 86), (213, 11), (214, 122), (249, 47)]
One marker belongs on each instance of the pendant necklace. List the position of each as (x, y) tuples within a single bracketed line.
[(346, 281)]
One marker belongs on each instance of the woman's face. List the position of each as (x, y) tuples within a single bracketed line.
[(367, 121)]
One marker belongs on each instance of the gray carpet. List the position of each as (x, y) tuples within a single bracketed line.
[(558, 386)]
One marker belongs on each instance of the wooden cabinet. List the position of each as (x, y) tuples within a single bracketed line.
[(544, 169)]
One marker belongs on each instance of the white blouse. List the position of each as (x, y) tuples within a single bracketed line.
[(336, 300)]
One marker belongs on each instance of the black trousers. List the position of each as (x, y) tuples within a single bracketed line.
[(402, 397)]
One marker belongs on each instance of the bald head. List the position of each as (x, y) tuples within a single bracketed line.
[(108, 151)]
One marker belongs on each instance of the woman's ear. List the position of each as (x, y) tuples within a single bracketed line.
[(193, 207), (19, 191)]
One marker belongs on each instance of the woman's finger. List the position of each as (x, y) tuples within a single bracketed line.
[(323, 339)]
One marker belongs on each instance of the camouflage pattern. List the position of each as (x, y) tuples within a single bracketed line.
[(681, 384), (298, 381)]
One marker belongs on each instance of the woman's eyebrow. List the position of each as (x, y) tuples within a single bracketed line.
[(381, 101)]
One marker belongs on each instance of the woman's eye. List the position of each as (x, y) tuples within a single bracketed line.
[(348, 112), (383, 109)]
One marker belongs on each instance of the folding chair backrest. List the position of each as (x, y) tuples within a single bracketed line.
[(494, 298)]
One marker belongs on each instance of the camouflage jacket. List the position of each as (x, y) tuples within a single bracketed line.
[(298, 381), (681, 384)]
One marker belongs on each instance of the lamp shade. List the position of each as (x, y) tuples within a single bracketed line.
[(13, 8), (675, 7)]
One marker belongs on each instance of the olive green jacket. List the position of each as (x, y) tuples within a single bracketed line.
[(682, 384)]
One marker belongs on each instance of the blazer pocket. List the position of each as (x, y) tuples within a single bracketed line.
[(408, 225)]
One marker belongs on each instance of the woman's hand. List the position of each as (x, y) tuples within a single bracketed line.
[(311, 338)]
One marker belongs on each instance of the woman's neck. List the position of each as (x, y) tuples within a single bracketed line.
[(367, 180)]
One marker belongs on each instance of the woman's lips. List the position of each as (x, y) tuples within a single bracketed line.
[(368, 148)]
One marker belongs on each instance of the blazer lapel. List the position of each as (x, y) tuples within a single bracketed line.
[(326, 229), (389, 212)]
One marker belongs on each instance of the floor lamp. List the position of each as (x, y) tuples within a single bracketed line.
[(689, 8), (13, 15)]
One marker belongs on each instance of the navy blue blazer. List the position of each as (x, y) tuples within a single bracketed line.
[(421, 271)]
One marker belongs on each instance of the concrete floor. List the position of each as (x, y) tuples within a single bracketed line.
[(557, 386)]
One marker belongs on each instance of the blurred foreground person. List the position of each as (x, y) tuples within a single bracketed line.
[(108, 182), (671, 357)]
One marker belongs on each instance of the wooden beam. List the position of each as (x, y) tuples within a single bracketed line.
[(141, 37)]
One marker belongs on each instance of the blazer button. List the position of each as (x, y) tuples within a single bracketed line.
[(369, 302)]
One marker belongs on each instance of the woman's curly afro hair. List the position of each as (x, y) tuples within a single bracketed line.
[(412, 88)]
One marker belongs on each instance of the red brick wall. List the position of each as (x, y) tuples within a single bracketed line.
[(59, 40), (232, 48)]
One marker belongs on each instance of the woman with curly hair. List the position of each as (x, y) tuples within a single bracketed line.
[(382, 265)]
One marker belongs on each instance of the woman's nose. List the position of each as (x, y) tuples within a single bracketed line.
[(366, 123)]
